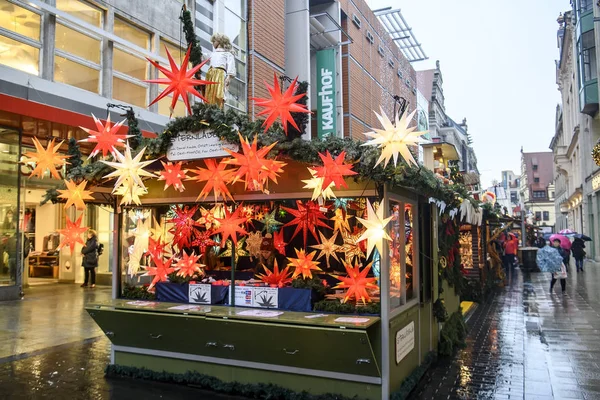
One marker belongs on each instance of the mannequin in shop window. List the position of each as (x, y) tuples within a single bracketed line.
[(222, 69), (89, 261)]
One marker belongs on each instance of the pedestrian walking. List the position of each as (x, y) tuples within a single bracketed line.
[(540, 241), (510, 251), (562, 275), (578, 253), (90, 258)]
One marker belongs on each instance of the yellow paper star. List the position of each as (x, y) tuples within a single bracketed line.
[(394, 140), (316, 184), (351, 247), (130, 193), (253, 243), (239, 251), (160, 232), (375, 232), (340, 220), (304, 264), (327, 248), (45, 159), (75, 194), (129, 170)]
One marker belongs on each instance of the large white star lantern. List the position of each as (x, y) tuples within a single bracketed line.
[(375, 224), (129, 172)]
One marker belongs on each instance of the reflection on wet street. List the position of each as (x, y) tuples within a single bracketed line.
[(527, 343)]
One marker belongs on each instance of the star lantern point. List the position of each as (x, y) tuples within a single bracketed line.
[(217, 176), (307, 218), (184, 226), (327, 248), (316, 183), (160, 271), (188, 265), (275, 277)]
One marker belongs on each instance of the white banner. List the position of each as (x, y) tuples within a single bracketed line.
[(405, 341), (199, 293), (195, 145)]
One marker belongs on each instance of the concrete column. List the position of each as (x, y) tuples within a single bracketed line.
[(107, 55), (297, 46), (48, 41), (153, 89)]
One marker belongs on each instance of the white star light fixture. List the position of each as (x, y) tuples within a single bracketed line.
[(375, 232)]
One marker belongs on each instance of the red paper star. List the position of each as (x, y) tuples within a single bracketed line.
[(172, 174), (304, 264), (155, 249), (230, 226), (216, 178), (357, 283), (276, 278), (308, 218), (180, 81), (278, 242), (184, 226), (72, 233), (203, 240), (188, 265), (160, 272), (105, 137), (280, 105), (334, 170), (253, 166)]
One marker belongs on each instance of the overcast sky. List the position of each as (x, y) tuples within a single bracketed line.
[(497, 61)]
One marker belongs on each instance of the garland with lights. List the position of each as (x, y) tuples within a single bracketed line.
[(596, 153)]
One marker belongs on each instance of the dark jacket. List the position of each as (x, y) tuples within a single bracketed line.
[(565, 254), (90, 253), (578, 248)]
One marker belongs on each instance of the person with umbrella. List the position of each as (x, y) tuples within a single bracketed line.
[(550, 260), (577, 248)]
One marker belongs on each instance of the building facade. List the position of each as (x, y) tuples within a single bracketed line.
[(511, 184), (537, 189)]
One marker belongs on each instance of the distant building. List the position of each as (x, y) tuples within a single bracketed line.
[(511, 183), (537, 188)]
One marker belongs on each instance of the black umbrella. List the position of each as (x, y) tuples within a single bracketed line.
[(583, 237)]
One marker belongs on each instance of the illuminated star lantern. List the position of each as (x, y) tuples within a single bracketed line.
[(160, 271), (179, 81), (130, 193), (327, 248), (188, 265), (208, 218), (375, 232), (75, 194), (340, 221), (172, 174), (341, 203), (253, 242), (278, 242), (184, 226), (280, 105), (254, 168), (129, 172), (45, 159), (351, 247), (231, 225), (334, 171), (239, 250), (357, 283), (276, 278), (203, 241), (394, 140), (270, 223), (307, 218), (216, 177), (304, 264), (156, 249), (105, 137), (316, 184), (72, 234), (161, 231)]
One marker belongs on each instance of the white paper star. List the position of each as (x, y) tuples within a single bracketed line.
[(316, 184), (129, 172), (375, 232)]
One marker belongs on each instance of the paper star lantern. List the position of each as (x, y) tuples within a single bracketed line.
[(341, 203), (307, 218), (75, 194), (188, 266), (254, 168), (156, 249), (203, 241), (72, 233), (327, 248), (375, 232), (161, 231), (45, 159), (253, 242), (334, 171), (351, 247), (208, 218), (230, 226), (172, 174), (179, 81), (276, 278), (160, 271), (304, 264), (280, 105), (239, 250), (129, 172), (278, 242), (184, 226), (340, 221), (106, 138), (270, 223), (216, 177), (130, 193), (316, 184), (357, 283), (394, 140)]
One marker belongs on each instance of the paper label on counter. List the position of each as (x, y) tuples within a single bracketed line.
[(260, 313), (186, 307), (141, 303), (352, 320), (315, 316)]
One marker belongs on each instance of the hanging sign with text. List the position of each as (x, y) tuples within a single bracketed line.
[(326, 93), (405, 341), (196, 145)]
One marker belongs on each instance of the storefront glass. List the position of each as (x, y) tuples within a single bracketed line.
[(9, 207)]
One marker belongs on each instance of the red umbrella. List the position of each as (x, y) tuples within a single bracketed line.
[(565, 242)]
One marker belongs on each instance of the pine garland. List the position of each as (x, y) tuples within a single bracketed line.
[(136, 139), (301, 119), (190, 38), (453, 335)]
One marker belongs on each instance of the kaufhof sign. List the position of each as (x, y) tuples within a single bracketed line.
[(326, 104)]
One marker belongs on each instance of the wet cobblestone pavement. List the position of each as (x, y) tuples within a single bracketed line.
[(527, 343)]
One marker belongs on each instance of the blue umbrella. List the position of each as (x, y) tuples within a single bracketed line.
[(549, 259), (583, 237)]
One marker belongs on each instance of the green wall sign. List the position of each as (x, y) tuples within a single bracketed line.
[(326, 93)]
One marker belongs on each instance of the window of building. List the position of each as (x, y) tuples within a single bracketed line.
[(538, 215), (403, 261), (236, 28), (20, 38), (539, 194), (585, 6), (370, 37), (536, 180), (534, 167), (131, 33), (546, 215), (587, 50), (81, 10)]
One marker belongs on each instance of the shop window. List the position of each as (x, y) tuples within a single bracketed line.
[(129, 92), (22, 49), (534, 167), (585, 6), (425, 255), (9, 207), (538, 194), (409, 251), (402, 256), (77, 52), (546, 215), (81, 10)]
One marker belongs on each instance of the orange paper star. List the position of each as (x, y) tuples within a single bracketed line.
[(307, 218), (72, 233), (276, 278), (184, 226), (280, 105), (188, 265), (340, 221), (45, 159), (333, 171), (327, 248), (357, 283), (216, 178), (160, 271), (105, 137), (172, 174), (180, 81), (230, 226), (304, 264), (75, 194), (278, 242)]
